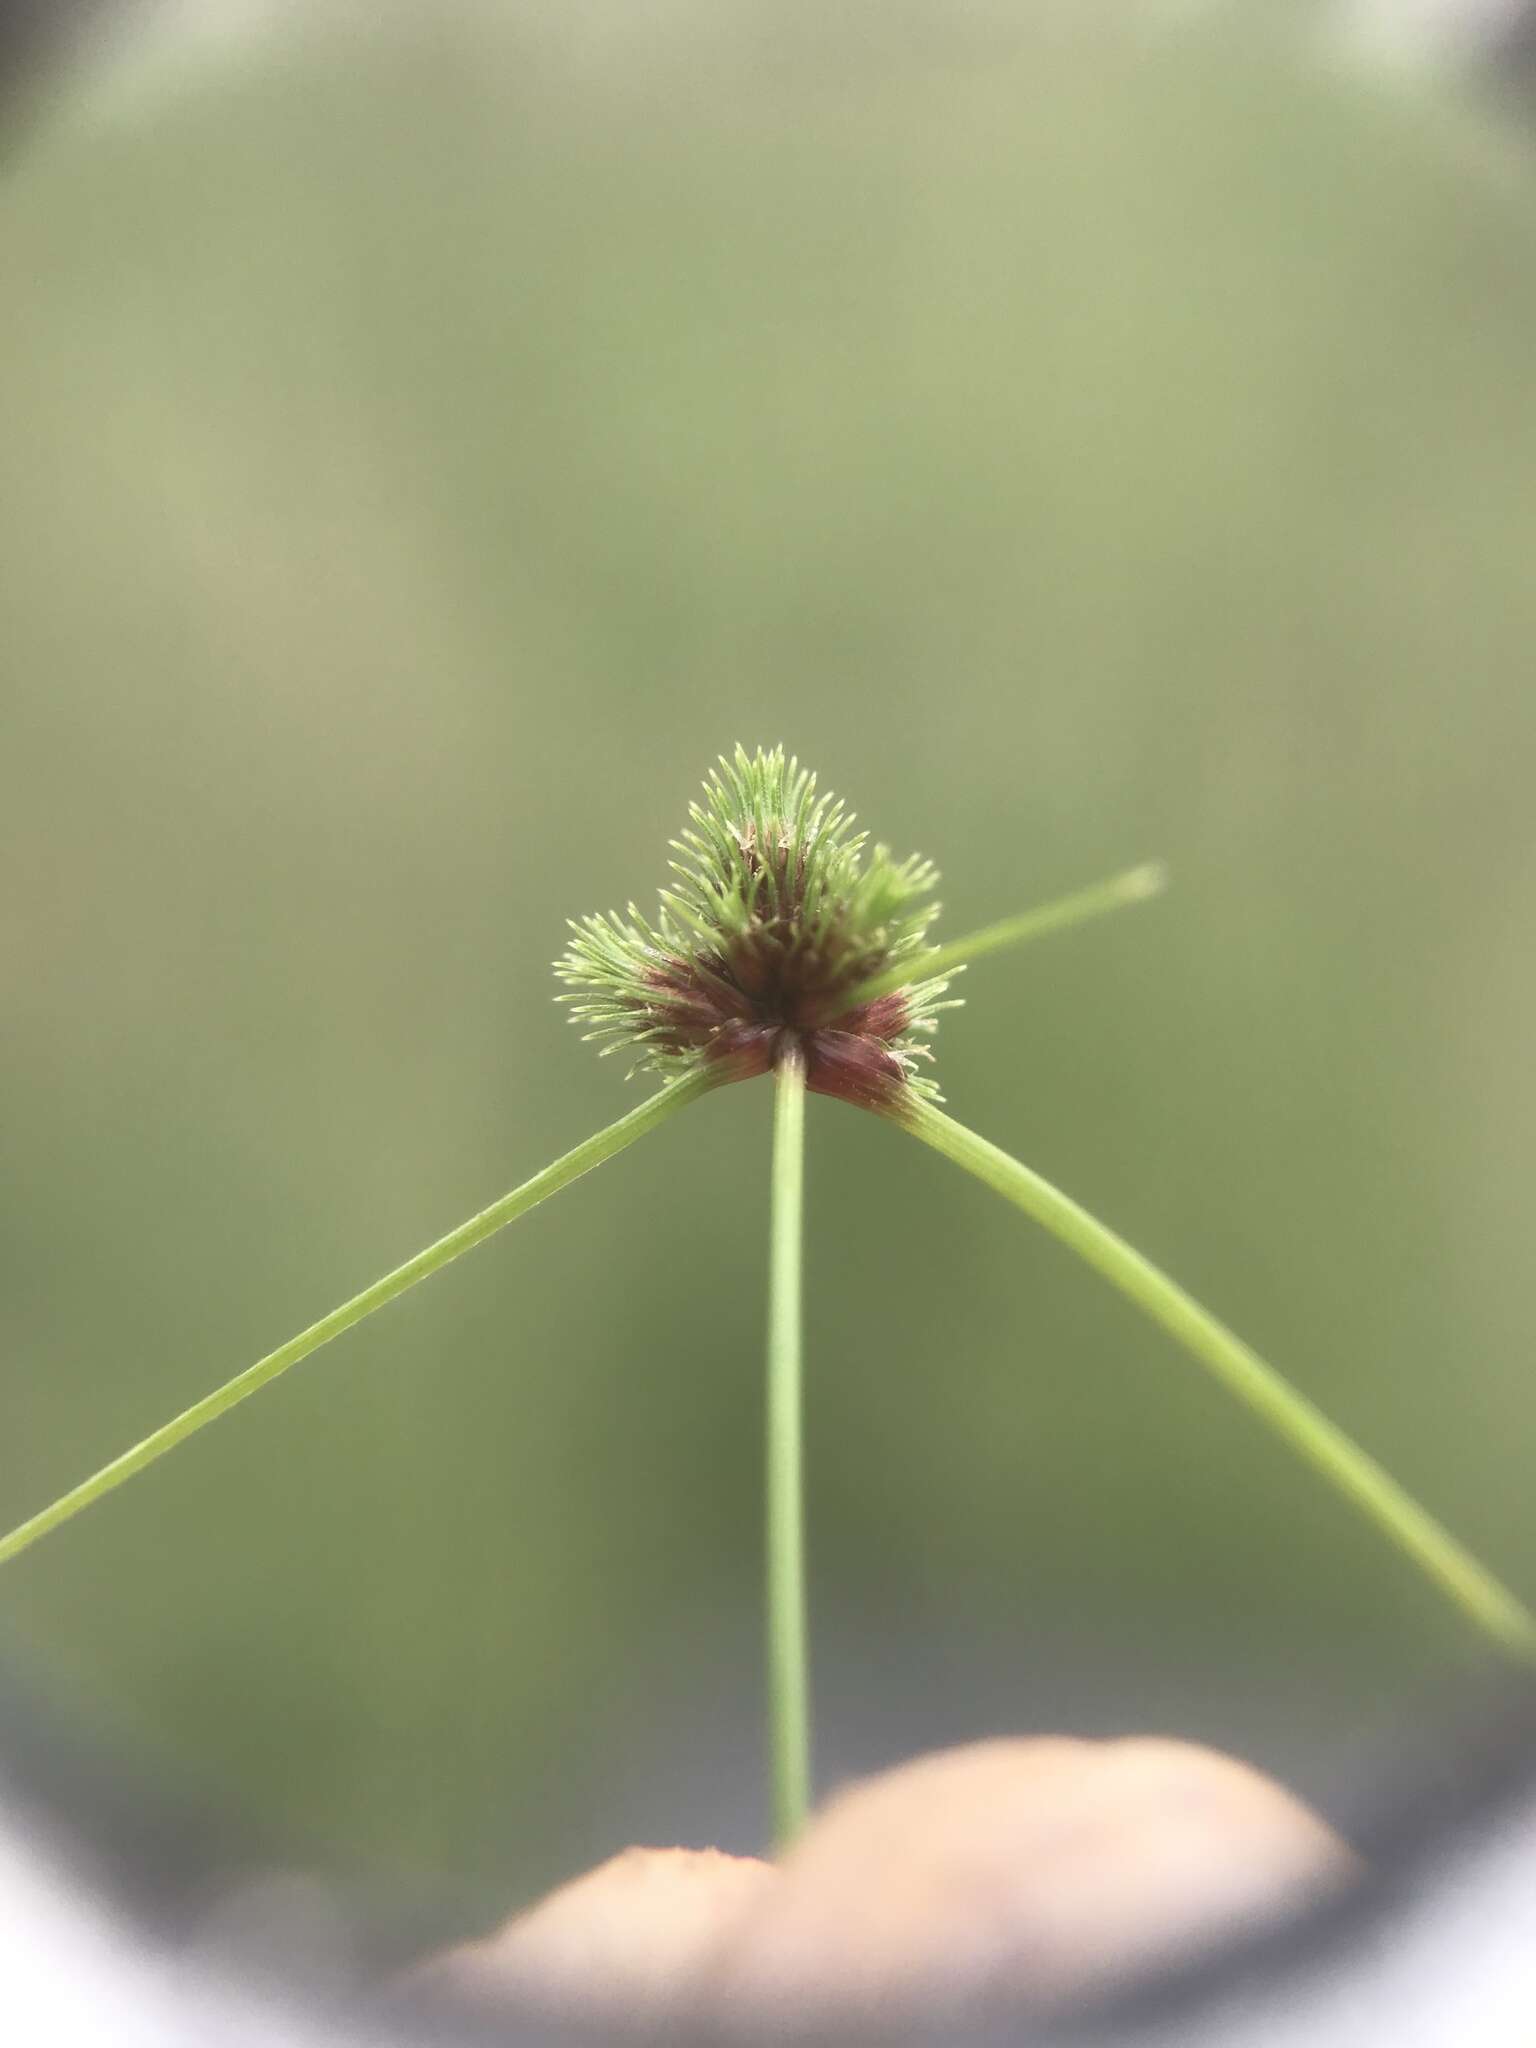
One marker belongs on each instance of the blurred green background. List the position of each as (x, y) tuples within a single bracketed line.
[(423, 452)]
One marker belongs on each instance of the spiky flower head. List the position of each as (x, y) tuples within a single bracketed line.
[(780, 916)]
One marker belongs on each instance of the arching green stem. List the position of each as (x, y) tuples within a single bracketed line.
[(592, 1152), (1242, 1372), (789, 1714)]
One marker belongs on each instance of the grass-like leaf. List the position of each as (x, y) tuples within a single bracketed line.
[(1239, 1368), (559, 1174)]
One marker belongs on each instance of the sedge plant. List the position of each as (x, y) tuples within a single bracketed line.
[(787, 946)]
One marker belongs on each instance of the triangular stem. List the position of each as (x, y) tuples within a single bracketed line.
[(581, 1159), (788, 1657), (1307, 1430)]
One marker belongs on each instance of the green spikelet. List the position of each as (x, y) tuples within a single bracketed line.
[(779, 915)]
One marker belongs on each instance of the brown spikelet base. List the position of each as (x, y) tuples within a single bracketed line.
[(747, 1013)]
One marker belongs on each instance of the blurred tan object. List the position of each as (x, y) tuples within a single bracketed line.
[(636, 1937), (1036, 1870), (1032, 1870)]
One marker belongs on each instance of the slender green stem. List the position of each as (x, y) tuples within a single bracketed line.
[(1243, 1372), (1134, 886), (788, 1679), (592, 1152)]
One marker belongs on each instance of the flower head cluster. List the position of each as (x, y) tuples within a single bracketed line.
[(779, 919)]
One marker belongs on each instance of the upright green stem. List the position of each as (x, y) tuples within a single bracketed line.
[(1243, 1372), (591, 1152), (788, 1679)]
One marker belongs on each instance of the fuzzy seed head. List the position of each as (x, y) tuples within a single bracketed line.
[(778, 914)]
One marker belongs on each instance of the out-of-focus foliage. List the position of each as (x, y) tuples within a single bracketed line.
[(422, 455)]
